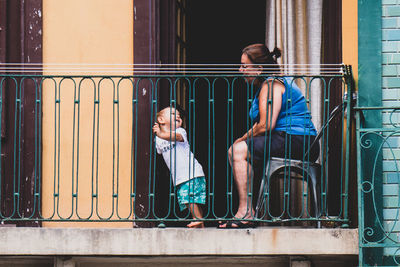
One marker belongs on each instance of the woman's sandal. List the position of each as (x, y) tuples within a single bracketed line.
[(236, 224)]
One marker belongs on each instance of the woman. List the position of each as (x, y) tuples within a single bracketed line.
[(279, 110)]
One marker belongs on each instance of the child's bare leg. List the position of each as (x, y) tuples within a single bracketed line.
[(197, 213)]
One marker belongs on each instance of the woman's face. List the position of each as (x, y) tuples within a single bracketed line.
[(248, 69)]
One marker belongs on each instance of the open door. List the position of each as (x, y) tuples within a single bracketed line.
[(20, 42)]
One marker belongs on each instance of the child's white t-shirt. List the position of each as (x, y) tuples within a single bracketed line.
[(187, 167)]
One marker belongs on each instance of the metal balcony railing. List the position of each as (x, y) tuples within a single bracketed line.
[(378, 170), (80, 147)]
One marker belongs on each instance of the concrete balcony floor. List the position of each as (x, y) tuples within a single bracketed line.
[(178, 241)]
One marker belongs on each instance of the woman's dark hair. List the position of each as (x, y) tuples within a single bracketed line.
[(260, 54)]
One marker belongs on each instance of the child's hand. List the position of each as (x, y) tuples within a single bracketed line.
[(156, 128)]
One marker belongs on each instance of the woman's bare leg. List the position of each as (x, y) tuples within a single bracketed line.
[(243, 174)]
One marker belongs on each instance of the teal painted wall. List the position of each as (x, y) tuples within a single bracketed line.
[(391, 97), (370, 95)]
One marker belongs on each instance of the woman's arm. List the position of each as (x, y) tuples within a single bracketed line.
[(267, 122), (167, 135)]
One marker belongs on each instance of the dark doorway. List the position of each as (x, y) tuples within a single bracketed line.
[(219, 30), (215, 32)]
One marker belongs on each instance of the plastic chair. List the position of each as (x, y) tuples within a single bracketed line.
[(310, 171)]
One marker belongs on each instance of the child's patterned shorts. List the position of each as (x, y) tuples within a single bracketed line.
[(192, 191)]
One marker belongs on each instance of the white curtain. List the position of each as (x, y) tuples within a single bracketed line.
[(295, 26)]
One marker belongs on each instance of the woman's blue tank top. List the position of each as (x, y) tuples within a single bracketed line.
[(294, 117)]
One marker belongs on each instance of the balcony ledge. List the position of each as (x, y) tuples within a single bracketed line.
[(177, 241)]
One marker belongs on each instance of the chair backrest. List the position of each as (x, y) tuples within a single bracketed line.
[(332, 115)]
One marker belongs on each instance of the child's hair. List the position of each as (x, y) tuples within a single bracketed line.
[(181, 111)]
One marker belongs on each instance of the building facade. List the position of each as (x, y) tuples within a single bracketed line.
[(81, 82)]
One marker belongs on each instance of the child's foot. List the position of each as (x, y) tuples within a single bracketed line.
[(196, 225)]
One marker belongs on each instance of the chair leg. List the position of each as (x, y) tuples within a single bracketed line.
[(263, 187), (314, 186), (260, 200)]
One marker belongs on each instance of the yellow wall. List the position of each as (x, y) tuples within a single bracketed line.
[(95, 32), (350, 35)]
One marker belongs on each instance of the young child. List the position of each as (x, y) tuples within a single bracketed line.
[(187, 174)]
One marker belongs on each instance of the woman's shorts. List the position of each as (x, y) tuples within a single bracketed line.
[(280, 144), (192, 191)]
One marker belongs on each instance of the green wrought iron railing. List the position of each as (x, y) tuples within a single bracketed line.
[(378, 157), (81, 147)]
